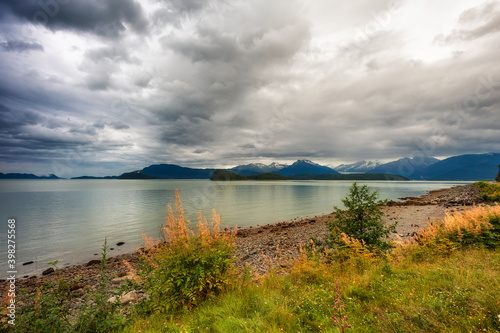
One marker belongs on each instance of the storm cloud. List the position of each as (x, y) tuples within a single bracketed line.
[(110, 86)]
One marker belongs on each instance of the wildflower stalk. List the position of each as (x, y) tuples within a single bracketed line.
[(339, 313)]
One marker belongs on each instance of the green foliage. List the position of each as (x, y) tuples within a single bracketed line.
[(100, 315), (478, 227), (186, 278), (361, 219), (53, 263), (489, 191), (458, 293), (188, 268), (49, 310)]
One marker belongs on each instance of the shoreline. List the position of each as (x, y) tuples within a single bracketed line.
[(278, 242)]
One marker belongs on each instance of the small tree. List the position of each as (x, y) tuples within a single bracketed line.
[(362, 219), (498, 175)]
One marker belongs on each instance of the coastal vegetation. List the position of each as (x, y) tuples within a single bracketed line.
[(446, 279), (185, 268), (224, 175), (352, 176), (490, 192), (361, 220)]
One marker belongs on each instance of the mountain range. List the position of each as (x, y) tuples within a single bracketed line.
[(357, 167), (470, 167), (26, 176)]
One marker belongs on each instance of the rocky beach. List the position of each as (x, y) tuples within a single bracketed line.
[(257, 247)]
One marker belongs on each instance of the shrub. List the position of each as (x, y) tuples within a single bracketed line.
[(489, 191), (479, 226), (49, 310), (100, 315), (186, 268), (361, 220)]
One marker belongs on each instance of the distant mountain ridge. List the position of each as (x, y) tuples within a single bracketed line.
[(172, 171), (257, 168), (464, 167), (361, 166), (305, 167), (468, 167), (411, 168), (26, 176)]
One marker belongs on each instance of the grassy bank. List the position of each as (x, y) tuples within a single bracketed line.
[(458, 293), (489, 191), (447, 281)]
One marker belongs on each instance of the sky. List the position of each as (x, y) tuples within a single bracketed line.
[(102, 87)]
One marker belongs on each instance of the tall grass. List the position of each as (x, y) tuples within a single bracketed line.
[(478, 226), (187, 267)]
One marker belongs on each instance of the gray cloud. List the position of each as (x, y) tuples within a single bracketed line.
[(475, 23), (21, 46), (219, 83), (107, 18)]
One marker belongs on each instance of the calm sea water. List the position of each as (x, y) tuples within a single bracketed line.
[(68, 220)]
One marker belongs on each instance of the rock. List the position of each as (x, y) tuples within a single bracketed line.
[(28, 263), (119, 280), (93, 262), (125, 299), (120, 243), (48, 271)]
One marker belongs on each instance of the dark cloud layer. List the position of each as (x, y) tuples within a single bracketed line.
[(104, 87), (104, 18)]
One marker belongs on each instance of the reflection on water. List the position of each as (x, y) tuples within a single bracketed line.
[(68, 220)]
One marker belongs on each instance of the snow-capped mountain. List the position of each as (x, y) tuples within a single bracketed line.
[(407, 167), (257, 168), (359, 167)]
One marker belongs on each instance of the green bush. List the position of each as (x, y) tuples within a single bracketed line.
[(49, 309), (489, 191), (361, 219), (186, 269), (46, 313)]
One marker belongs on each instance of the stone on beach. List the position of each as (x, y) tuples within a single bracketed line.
[(130, 297)]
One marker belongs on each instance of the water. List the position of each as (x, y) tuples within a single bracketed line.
[(67, 220)]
